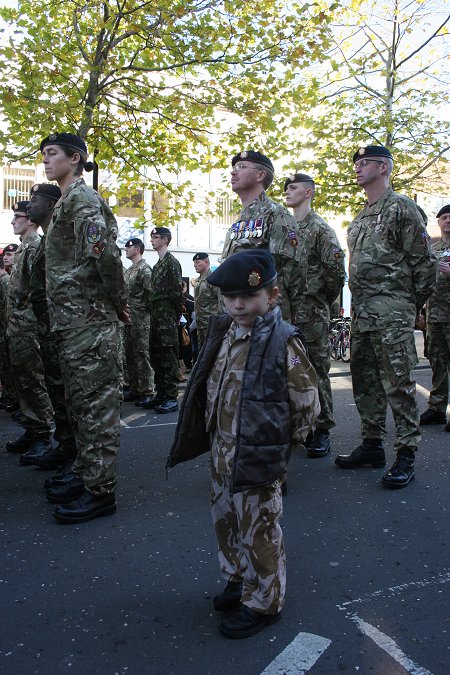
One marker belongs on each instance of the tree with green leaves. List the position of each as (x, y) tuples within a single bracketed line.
[(385, 80), (146, 83)]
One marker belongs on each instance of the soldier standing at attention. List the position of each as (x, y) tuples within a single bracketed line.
[(43, 198), (326, 276), (438, 328), (267, 224), (86, 294), (166, 302), (206, 297), (137, 335), (23, 345), (392, 272), (8, 401)]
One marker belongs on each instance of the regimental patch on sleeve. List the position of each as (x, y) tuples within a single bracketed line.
[(93, 235)]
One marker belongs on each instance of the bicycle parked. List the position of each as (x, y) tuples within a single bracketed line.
[(340, 339)]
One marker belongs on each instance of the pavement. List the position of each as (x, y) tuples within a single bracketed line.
[(367, 579)]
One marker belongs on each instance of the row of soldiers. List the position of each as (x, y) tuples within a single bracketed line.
[(77, 294)]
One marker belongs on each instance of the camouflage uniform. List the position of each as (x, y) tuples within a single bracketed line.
[(137, 336), (392, 272), (326, 276), (85, 291), (438, 333), (206, 304), (249, 536), (5, 371), (166, 304), (270, 225), (23, 345), (49, 352)]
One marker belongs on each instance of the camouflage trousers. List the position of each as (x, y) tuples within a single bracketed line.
[(29, 383), (5, 370), (381, 365), (438, 335), (55, 387), (90, 369), (319, 355), (137, 354), (166, 367), (250, 541)]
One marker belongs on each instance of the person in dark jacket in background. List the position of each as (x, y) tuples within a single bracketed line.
[(259, 392)]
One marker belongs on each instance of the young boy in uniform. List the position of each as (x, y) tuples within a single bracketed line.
[(251, 394)]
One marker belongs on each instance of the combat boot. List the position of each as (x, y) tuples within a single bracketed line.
[(56, 457), (38, 448), (320, 444), (64, 494), (432, 417), (21, 444), (402, 471), (61, 477), (229, 598), (369, 453)]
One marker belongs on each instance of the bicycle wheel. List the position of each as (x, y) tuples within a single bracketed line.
[(344, 346)]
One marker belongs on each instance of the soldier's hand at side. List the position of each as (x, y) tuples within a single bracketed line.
[(444, 268), (125, 316)]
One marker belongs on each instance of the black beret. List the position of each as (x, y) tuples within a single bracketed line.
[(372, 151), (11, 248), (297, 178), (200, 256), (162, 231), (244, 272), (20, 208), (445, 209), (252, 156), (70, 140), (46, 190), (135, 241)]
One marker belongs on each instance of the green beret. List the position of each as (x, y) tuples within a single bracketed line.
[(372, 151), (445, 209), (244, 272), (46, 190), (297, 178), (20, 208), (69, 140), (252, 156)]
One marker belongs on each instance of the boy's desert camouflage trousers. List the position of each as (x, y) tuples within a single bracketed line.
[(250, 541)]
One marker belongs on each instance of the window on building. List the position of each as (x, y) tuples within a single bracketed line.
[(17, 183)]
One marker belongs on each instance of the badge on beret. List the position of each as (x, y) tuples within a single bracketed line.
[(35, 188), (15, 207), (244, 154), (254, 279), (93, 234), (53, 137), (361, 151), (292, 176)]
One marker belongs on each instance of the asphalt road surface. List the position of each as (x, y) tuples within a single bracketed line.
[(368, 568)]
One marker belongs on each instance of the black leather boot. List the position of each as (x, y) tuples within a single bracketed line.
[(229, 598), (369, 453), (21, 444), (56, 457), (402, 471), (38, 448)]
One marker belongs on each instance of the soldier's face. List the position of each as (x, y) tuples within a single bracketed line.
[(201, 266), (296, 194), (20, 224), (245, 176), (368, 170), (245, 308), (57, 165), (8, 259), (131, 251), (444, 224), (38, 208)]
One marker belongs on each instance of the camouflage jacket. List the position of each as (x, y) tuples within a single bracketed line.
[(84, 273), (4, 281), (326, 270), (139, 279), (270, 225), (21, 318), (38, 295), (392, 270), (438, 306), (206, 301), (274, 403), (166, 283)]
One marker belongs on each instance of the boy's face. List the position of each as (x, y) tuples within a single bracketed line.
[(245, 308)]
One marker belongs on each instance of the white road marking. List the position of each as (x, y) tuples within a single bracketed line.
[(146, 426), (299, 656), (442, 578), (389, 646)]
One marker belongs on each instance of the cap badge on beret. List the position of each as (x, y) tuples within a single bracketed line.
[(15, 207), (254, 279), (292, 176), (53, 137), (244, 154), (35, 188), (361, 151)]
